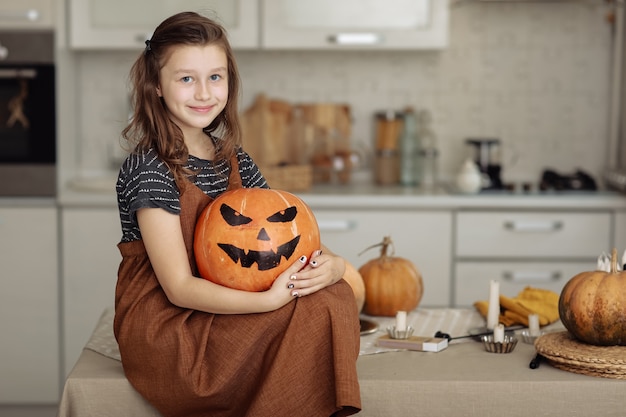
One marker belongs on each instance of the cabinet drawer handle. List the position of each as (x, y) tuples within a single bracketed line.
[(531, 276), (355, 39), (533, 226), (336, 225)]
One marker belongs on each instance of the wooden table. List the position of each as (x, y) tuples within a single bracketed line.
[(461, 381)]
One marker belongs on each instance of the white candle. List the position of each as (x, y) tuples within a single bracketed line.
[(493, 312), (498, 333), (604, 263), (401, 321), (533, 325)]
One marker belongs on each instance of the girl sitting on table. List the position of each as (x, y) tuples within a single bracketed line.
[(189, 346)]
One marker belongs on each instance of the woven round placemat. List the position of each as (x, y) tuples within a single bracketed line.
[(564, 352)]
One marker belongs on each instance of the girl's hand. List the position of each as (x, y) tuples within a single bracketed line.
[(323, 270), (282, 289)]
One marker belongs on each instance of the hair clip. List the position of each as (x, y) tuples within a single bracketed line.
[(148, 47)]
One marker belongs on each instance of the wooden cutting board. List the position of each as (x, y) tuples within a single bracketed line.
[(276, 132), (265, 131)]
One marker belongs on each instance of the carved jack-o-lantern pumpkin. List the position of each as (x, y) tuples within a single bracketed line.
[(246, 237)]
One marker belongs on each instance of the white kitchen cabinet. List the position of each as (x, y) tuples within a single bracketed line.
[(27, 14), (122, 24), (90, 262), (29, 319), (542, 249), (473, 278), (350, 24), (423, 237), (544, 234)]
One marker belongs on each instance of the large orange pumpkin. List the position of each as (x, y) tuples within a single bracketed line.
[(246, 237), (592, 306), (392, 283)]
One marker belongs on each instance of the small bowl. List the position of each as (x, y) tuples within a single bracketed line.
[(527, 338), (499, 347), (399, 334)]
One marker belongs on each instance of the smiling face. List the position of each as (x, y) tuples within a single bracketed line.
[(193, 83), (247, 237)]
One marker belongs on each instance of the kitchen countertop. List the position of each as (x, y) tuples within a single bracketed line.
[(27, 202), (369, 196), (372, 196)]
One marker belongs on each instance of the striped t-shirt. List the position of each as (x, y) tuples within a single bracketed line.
[(144, 181)]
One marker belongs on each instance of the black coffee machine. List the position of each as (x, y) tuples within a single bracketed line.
[(486, 154)]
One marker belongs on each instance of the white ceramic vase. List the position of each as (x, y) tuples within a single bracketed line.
[(469, 179)]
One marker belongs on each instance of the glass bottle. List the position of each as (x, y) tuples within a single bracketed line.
[(428, 153), (409, 149), (387, 156)]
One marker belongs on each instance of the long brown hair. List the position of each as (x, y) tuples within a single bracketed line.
[(150, 126)]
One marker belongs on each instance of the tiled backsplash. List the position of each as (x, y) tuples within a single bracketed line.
[(535, 75)]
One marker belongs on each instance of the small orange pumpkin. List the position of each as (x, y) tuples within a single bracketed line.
[(392, 283), (354, 278), (246, 237), (592, 306)]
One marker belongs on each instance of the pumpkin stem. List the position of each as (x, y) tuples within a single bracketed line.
[(614, 261), (386, 243)]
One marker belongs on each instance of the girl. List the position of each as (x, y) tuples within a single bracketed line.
[(189, 346)]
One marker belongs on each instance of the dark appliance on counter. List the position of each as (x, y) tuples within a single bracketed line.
[(577, 181), (486, 154), (27, 114)]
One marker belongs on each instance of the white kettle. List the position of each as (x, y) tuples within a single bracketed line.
[(469, 178)]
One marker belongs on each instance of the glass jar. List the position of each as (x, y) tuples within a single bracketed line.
[(428, 154), (409, 149)]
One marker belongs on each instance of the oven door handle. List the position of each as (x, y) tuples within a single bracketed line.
[(17, 73)]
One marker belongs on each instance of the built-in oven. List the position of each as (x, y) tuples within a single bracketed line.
[(27, 114)]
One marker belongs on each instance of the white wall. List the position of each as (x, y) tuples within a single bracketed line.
[(535, 75)]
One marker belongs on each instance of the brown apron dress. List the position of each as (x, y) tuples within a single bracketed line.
[(299, 360)]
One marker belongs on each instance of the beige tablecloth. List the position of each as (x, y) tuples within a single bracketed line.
[(425, 322), (461, 381)]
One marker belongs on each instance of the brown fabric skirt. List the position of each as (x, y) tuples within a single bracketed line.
[(299, 360)]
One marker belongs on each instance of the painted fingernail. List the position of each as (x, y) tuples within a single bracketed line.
[(303, 259), (318, 252), (290, 286), (292, 277), (294, 294), (313, 263)]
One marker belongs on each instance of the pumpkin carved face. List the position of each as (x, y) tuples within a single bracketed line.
[(246, 237)]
